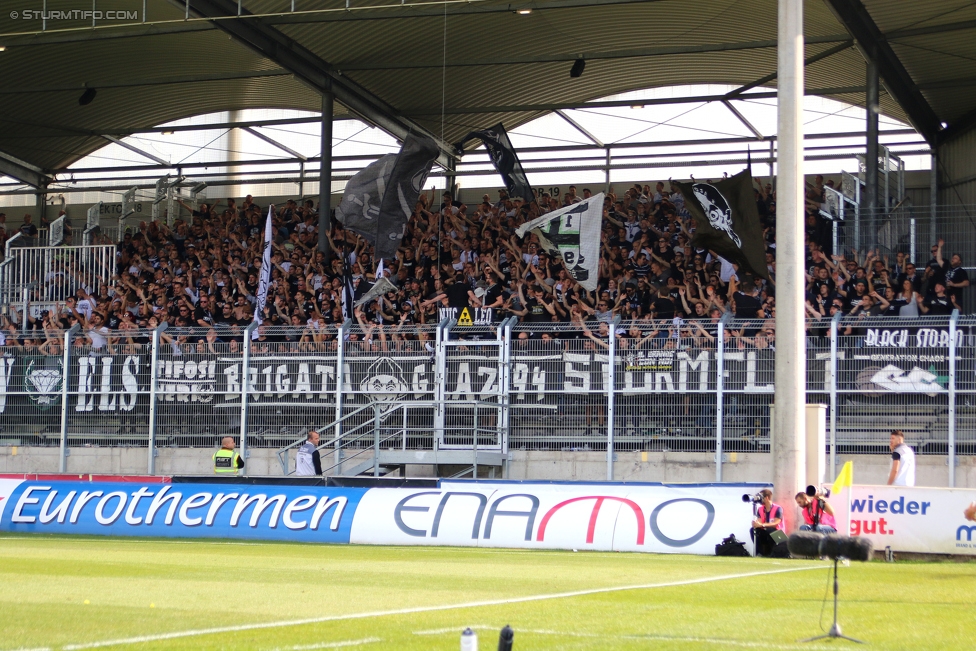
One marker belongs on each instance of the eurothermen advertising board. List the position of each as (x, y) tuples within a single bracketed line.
[(688, 519)]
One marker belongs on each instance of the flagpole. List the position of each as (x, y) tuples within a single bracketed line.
[(788, 427)]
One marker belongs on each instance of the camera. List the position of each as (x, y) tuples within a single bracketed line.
[(755, 499), (813, 492)]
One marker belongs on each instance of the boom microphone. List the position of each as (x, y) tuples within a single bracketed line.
[(834, 546)]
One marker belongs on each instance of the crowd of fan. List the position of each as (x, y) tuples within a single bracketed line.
[(203, 272)]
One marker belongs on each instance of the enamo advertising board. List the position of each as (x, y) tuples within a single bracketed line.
[(642, 517)]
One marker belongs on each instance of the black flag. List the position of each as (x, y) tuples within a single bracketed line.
[(504, 159), (727, 221), (413, 163), (379, 200)]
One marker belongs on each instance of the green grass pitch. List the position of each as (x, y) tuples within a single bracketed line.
[(79, 593)]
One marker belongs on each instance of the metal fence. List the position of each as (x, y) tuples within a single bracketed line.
[(52, 274), (699, 386)]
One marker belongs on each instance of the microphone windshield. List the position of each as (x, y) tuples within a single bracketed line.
[(805, 543)]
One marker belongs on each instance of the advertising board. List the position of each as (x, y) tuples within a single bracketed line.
[(688, 519), (912, 519)]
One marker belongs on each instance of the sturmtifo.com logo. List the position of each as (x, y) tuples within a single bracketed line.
[(74, 14)]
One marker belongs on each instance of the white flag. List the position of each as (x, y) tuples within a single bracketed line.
[(573, 234), (262, 297), (380, 287)]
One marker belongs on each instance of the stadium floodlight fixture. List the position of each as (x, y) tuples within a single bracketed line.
[(945, 125), (577, 69), (199, 187), (3, 48), (87, 97), (524, 12), (168, 133), (636, 106)]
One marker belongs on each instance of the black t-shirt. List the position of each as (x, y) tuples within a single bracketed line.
[(663, 308), (457, 295), (746, 307), (955, 275), (938, 306), (537, 312)]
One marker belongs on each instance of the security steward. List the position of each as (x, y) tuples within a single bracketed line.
[(308, 461), (226, 461)]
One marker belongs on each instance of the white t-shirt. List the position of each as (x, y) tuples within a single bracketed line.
[(906, 467)]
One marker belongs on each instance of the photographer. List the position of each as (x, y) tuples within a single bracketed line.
[(818, 515), (768, 519)]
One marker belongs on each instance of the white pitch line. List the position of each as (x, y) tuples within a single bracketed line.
[(329, 645), (649, 637), (421, 609)]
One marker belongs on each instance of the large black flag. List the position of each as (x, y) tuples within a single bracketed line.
[(727, 221), (359, 209), (413, 163), (379, 200), (504, 159)]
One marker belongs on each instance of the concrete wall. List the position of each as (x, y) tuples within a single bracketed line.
[(699, 467), (580, 466)]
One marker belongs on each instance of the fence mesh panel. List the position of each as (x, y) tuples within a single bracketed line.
[(547, 387)]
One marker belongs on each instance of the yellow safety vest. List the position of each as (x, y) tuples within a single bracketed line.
[(225, 462)]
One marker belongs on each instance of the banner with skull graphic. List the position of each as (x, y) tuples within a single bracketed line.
[(727, 221)]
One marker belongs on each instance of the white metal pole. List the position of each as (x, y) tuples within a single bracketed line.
[(953, 320), (611, 382), (719, 397), (340, 369), (787, 443), (153, 385), (834, 333), (245, 388), (65, 383)]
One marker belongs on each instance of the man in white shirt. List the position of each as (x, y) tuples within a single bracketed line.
[(902, 461)]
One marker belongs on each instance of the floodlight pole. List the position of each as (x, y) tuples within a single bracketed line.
[(787, 440), (325, 177)]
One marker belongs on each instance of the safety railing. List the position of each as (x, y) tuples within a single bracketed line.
[(694, 386)]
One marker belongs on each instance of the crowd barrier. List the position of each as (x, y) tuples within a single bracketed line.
[(700, 386), (659, 518)]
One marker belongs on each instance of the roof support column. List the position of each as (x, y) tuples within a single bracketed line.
[(450, 177), (870, 207), (41, 205), (789, 427), (325, 177)]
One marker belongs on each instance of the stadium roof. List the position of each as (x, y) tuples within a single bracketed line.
[(385, 61)]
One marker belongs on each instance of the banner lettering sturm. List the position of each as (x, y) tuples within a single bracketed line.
[(643, 518), (99, 382)]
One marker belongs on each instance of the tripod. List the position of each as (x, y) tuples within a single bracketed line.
[(834, 631)]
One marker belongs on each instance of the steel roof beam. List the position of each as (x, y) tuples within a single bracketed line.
[(313, 70), (275, 143), (900, 85), (693, 99), (134, 149), (576, 125), (742, 119), (632, 53), (829, 52), (22, 171)]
